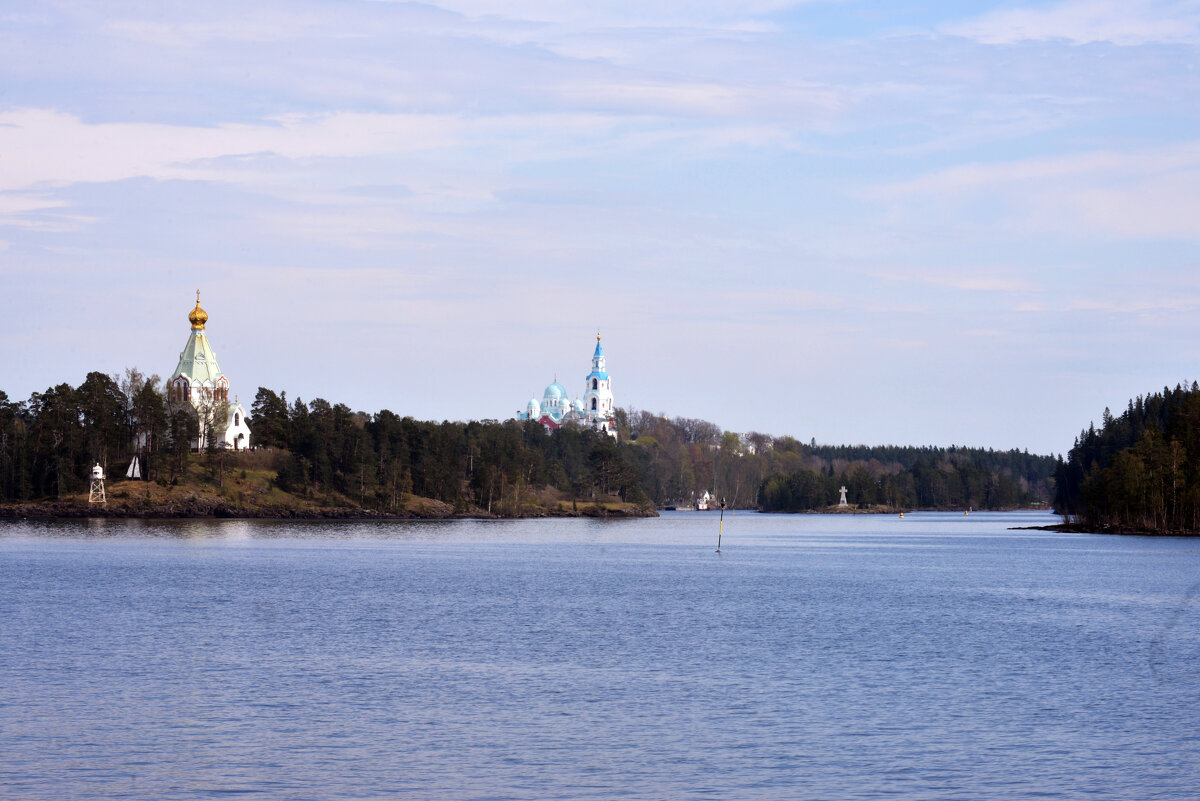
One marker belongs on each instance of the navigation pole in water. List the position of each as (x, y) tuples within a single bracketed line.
[(721, 525)]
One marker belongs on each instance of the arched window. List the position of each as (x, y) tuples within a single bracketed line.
[(593, 404), (237, 419), (595, 384)]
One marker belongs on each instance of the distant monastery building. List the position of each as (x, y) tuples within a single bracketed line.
[(594, 409), (199, 383)]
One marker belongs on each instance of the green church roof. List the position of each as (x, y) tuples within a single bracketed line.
[(197, 362)]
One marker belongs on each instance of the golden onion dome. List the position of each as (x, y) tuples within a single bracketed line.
[(198, 316)]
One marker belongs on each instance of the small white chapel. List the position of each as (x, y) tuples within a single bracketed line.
[(199, 383)]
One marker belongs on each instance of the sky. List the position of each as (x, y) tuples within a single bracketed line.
[(970, 223)]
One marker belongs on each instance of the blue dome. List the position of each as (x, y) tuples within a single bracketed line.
[(555, 391)]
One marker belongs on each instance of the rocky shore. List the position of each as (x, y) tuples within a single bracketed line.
[(1084, 528)]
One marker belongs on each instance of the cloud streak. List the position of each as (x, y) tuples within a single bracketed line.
[(1119, 22), (1147, 193)]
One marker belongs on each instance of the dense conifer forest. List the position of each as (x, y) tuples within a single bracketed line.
[(1140, 470), (322, 449), (915, 478), (49, 443)]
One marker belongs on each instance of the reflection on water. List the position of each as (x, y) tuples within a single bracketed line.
[(938, 656), (670, 528)]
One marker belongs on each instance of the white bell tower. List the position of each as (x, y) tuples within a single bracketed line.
[(597, 397)]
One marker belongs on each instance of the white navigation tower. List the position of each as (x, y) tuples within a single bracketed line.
[(96, 493)]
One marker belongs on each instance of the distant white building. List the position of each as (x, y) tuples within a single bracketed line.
[(198, 382), (596, 408)]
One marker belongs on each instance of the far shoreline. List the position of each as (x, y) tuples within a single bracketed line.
[(1126, 531)]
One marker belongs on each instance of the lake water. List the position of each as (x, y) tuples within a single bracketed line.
[(817, 657)]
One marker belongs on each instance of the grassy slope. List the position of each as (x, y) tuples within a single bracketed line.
[(247, 489)]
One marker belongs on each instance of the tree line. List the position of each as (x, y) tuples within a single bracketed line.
[(941, 478), (679, 456), (377, 459), (1139, 470), (49, 442)]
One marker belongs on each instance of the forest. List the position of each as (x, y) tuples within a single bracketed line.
[(49, 443), (324, 450), (1139, 471), (781, 474), (898, 478)]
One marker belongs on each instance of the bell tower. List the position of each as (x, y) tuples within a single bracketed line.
[(598, 397)]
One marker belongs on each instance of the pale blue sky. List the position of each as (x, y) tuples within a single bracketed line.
[(920, 223)]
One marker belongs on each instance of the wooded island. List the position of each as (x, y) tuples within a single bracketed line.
[(321, 459), (1138, 472)]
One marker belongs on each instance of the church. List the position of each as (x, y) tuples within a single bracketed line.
[(199, 383), (594, 409)]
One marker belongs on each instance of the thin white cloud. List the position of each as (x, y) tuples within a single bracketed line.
[(706, 99), (1136, 194), (60, 148), (775, 302), (964, 279), (1120, 22), (190, 34), (445, 163), (15, 204), (1141, 307), (621, 12)]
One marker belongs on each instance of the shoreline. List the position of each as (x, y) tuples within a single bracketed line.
[(198, 507), (66, 510), (1126, 531)]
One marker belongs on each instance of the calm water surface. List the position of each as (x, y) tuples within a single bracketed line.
[(817, 657)]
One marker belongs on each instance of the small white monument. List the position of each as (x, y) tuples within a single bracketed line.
[(96, 493), (842, 501)]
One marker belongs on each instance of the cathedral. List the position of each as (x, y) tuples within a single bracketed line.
[(199, 383), (594, 409)]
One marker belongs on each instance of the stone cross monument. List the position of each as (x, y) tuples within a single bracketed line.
[(842, 502)]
